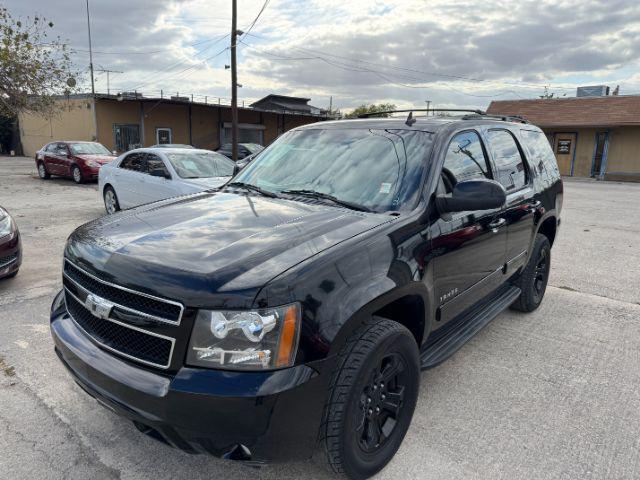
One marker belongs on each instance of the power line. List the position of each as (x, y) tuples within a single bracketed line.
[(266, 2)]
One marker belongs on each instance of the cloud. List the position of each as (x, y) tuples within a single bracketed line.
[(453, 53)]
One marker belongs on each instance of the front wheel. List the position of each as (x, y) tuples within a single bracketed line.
[(42, 171), (76, 174), (533, 279), (111, 203), (372, 398)]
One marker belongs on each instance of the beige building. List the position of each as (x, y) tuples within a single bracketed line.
[(591, 136), (121, 123)]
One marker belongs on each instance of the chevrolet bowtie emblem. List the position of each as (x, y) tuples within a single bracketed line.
[(98, 306)]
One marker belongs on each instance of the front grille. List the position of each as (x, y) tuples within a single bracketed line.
[(7, 259), (126, 340), (163, 310)]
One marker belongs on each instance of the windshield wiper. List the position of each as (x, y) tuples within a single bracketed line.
[(326, 196), (253, 188)]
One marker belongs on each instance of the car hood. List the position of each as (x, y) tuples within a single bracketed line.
[(206, 183), (101, 159), (213, 248)]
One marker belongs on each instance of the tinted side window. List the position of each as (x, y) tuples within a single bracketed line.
[(511, 170), (134, 161), (155, 163), (465, 160), (51, 147), (543, 159)]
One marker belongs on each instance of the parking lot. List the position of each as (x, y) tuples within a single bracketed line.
[(550, 395)]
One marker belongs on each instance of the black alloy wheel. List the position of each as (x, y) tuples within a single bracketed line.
[(372, 398), (533, 280), (381, 403)]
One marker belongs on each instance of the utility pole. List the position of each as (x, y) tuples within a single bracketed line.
[(428, 105), (93, 87), (104, 70), (234, 82)]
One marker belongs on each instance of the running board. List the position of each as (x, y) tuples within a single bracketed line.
[(466, 327)]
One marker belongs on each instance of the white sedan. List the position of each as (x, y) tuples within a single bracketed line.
[(147, 175)]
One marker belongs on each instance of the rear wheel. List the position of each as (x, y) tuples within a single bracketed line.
[(42, 171), (372, 398), (533, 279), (111, 203), (76, 174)]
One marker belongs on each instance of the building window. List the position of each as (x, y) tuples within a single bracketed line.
[(247, 133), (164, 136), (127, 136)]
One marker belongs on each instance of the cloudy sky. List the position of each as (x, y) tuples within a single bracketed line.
[(455, 53)]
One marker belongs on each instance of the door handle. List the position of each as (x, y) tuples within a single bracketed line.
[(496, 224), (534, 206)]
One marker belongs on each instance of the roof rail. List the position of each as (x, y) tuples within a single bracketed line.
[(504, 118), (371, 114)]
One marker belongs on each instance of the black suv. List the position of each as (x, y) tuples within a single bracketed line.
[(296, 305)]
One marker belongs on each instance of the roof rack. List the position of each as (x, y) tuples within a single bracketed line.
[(371, 114), (504, 118)]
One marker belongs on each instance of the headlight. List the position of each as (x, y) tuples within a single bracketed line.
[(92, 164), (5, 226), (245, 340)]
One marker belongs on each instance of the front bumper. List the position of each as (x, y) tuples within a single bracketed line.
[(10, 256), (249, 416)]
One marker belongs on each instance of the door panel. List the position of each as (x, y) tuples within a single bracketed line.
[(157, 188), (470, 249), (515, 175), (564, 146)]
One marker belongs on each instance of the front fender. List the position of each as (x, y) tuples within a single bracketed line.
[(342, 287)]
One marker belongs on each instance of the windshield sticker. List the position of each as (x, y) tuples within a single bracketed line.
[(385, 187)]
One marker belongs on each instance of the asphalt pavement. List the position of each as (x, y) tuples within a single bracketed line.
[(549, 395)]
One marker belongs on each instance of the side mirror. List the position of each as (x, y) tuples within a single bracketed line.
[(159, 172), (114, 152), (473, 195)]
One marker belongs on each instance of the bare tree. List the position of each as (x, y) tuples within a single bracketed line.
[(33, 66)]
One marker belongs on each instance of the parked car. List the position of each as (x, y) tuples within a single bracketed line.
[(171, 145), (10, 246), (244, 149), (147, 175), (80, 161), (296, 306)]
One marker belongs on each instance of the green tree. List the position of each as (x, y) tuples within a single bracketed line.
[(33, 66), (372, 108)]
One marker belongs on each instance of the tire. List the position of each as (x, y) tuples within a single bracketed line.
[(76, 174), (42, 171), (535, 276), (111, 203), (366, 417)]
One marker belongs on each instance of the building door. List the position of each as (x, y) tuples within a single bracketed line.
[(599, 153), (565, 146), (163, 136)]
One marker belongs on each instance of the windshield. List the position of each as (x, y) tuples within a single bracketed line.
[(201, 165), (89, 149), (377, 169)]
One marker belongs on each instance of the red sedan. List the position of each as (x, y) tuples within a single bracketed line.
[(80, 161)]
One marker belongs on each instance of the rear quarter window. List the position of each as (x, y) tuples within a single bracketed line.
[(542, 158)]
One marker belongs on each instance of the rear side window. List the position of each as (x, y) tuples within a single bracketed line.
[(543, 159), (465, 160), (133, 161), (511, 171)]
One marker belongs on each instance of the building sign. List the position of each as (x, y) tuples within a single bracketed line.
[(563, 147)]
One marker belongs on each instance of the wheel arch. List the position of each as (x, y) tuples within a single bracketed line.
[(408, 305)]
